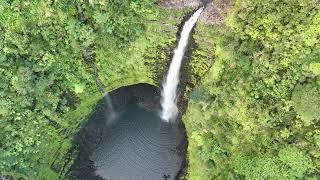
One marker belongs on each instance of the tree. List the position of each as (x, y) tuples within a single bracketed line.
[(306, 101)]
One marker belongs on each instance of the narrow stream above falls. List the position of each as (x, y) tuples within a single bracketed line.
[(136, 144)]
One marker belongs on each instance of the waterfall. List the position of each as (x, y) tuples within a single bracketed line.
[(109, 106), (169, 91), (110, 113)]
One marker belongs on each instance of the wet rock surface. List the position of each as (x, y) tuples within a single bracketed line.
[(136, 144)]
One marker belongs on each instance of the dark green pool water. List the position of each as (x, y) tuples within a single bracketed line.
[(138, 145)]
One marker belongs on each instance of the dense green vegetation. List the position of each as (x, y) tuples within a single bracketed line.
[(48, 89), (256, 114)]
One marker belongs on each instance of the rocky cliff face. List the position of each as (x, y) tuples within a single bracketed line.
[(213, 14), (179, 3)]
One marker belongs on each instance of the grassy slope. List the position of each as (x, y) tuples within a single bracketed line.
[(198, 114), (202, 64)]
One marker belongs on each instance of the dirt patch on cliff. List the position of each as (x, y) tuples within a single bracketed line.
[(175, 4), (213, 14)]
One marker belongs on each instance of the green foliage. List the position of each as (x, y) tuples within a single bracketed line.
[(255, 114), (315, 68), (144, 59), (290, 163), (306, 101), (295, 163), (202, 56), (47, 89), (258, 168), (37, 66)]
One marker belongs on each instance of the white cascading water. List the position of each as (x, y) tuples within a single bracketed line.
[(110, 106), (169, 91)]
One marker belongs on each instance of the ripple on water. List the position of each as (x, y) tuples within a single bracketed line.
[(139, 145)]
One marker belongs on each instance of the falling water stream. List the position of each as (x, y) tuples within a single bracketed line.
[(169, 92), (110, 108)]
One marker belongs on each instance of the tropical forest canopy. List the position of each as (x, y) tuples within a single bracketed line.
[(255, 114), (44, 75)]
